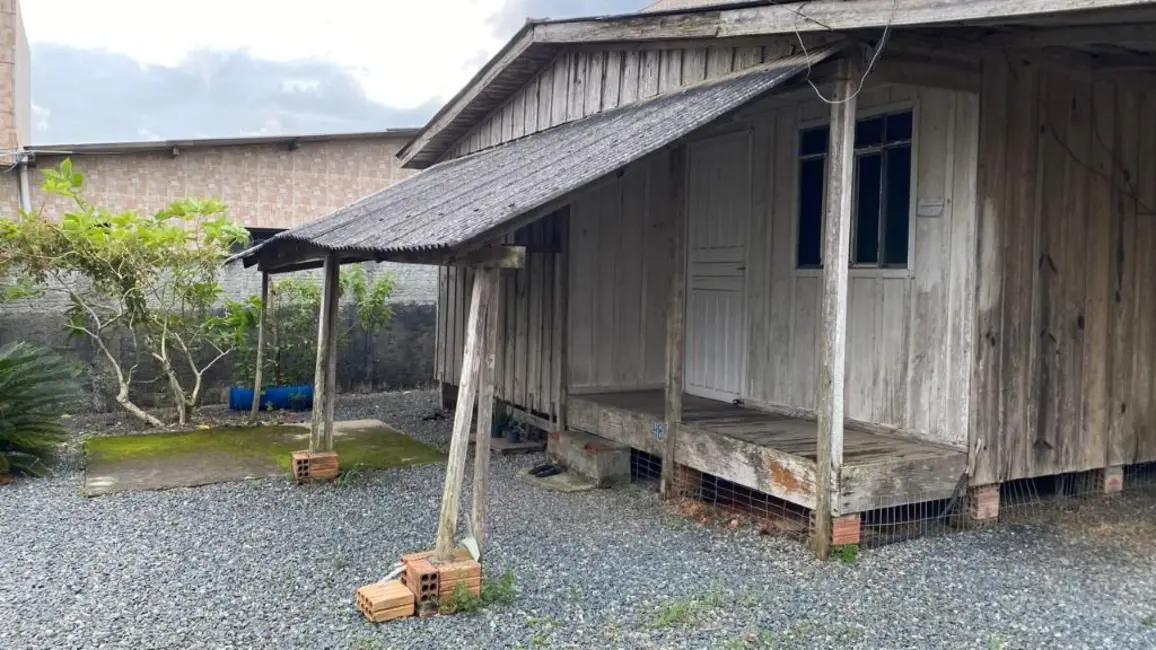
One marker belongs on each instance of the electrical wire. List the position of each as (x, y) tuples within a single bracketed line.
[(870, 64)]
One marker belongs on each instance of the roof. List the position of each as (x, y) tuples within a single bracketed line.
[(465, 202), (539, 41), (201, 143)]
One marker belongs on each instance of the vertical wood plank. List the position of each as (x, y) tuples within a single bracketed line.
[(595, 81), (961, 302), (693, 66), (1143, 401), (560, 101), (612, 81), (833, 327), (533, 102), (631, 67), (1088, 450), (675, 316), (1121, 439), (648, 75), (670, 71), (579, 61), (561, 362), (720, 61), (463, 414), (491, 279), (778, 382), (545, 99), (986, 418)]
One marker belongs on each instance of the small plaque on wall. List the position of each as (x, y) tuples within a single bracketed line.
[(930, 208)]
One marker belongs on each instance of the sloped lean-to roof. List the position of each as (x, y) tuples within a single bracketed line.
[(466, 202)]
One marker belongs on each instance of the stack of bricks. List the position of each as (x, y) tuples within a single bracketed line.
[(424, 584), (385, 601), (314, 465)]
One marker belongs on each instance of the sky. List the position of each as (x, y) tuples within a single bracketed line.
[(147, 69)]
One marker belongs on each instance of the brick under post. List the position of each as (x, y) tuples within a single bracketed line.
[(983, 503), (845, 530), (1113, 479)]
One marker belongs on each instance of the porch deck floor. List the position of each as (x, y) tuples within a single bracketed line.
[(794, 436), (776, 453)]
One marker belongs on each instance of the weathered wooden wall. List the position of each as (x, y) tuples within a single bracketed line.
[(619, 280), (1066, 307), (524, 374), (909, 330), (583, 82)]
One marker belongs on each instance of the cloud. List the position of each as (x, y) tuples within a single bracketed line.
[(94, 95), (515, 12)]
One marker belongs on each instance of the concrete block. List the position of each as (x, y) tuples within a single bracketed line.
[(603, 461)]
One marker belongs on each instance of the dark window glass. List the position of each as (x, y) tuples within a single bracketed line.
[(882, 203), (899, 126), (869, 132), (811, 185), (869, 170), (813, 141), (898, 206)]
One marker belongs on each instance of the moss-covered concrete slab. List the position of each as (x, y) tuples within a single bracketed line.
[(166, 460)]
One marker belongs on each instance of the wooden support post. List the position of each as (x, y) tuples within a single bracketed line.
[(562, 324), (833, 328), (333, 286), (675, 316), (485, 418), (259, 362), (321, 369), (460, 442)]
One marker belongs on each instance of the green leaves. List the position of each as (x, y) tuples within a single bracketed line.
[(34, 386)]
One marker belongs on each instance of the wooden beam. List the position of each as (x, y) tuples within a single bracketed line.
[(1074, 36), (498, 257), (833, 328), (675, 315), (485, 417), (562, 322), (321, 368), (259, 362), (928, 74), (333, 288), (804, 17), (463, 414)]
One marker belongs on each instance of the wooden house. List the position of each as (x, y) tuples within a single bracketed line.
[(671, 187)]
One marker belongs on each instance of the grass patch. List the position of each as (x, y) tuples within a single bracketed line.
[(684, 612), (495, 591), (263, 446), (845, 553)]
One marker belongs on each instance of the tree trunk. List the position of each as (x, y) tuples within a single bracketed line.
[(134, 410)]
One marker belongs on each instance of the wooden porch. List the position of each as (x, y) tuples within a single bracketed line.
[(775, 453)]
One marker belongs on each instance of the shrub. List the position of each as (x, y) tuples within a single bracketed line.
[(34, 385)]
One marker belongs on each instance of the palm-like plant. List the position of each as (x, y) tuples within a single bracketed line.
[(34, 386)]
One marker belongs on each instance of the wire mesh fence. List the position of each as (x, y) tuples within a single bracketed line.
[(1082, 499)]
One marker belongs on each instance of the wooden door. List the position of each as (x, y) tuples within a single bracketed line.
[(718, 213)]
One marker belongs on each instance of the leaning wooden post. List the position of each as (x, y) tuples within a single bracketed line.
[(463, 413), (675, 316), (833, 328), (333, 286), (321, 369), (485, 417), (259, 362)]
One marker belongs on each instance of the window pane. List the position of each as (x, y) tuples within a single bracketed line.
[(869, 132), (869, 170), (810, 243), (899, 126), (813, 141), (898, 218)]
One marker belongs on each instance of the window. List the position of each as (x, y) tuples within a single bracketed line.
[(882, 202)]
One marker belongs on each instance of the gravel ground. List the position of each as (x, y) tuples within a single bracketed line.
[(262, 564)]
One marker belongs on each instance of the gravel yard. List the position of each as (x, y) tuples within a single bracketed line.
[(262, 564)]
